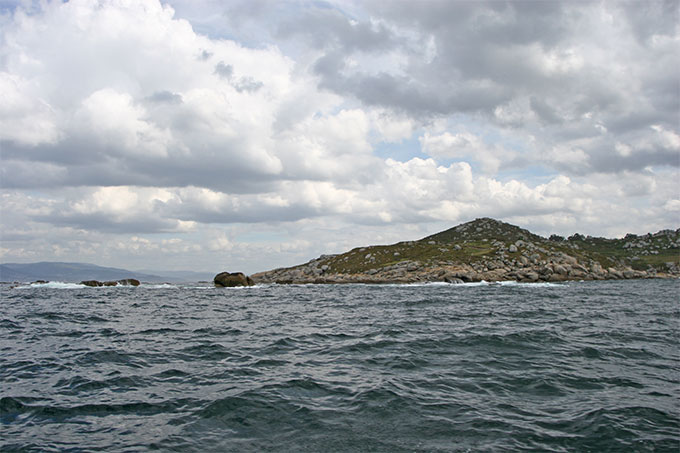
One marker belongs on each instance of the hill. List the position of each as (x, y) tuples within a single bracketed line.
[(68, 272), (487, 249)]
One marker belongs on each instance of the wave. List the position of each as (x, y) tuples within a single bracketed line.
[(71, 285), (529, 285), (53, 285)]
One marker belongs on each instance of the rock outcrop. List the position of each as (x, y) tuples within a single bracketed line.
[(489, 250), (123, 282), (232, 279)]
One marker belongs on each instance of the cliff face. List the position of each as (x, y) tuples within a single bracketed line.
[(486, 249)]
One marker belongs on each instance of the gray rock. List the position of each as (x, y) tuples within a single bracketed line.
[(231, 279), (596, 268), (123, 282), (562, 269), (92, 283), (613, 273), (530, 276), (629, 273), (545, 271)]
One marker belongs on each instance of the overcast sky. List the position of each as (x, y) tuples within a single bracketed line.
[(248, 135)]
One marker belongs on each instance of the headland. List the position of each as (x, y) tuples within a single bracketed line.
[(491, 250)]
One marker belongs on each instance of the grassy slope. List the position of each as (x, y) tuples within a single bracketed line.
[(656, 249), (481, 240)]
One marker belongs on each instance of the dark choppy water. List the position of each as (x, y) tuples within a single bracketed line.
[(591, 366)]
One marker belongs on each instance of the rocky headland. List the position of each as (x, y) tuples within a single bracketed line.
[(490, 250)]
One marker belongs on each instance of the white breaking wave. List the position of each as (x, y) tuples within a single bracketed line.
[(67, 285), (527, 284), (481, 283), (55, 285)]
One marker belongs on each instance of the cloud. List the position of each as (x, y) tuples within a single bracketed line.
[(467, 146), (25, 119), (280, 130), (142, 103), (561, 71)]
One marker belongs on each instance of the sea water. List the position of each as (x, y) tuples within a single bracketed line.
[(579, 366)]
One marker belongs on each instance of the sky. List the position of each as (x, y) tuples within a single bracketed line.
[(247, 135)]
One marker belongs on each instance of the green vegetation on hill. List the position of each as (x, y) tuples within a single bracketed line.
[(489, 249), (639, 252), (482, 239)]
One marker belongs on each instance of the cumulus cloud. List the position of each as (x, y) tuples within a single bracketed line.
[(561, 71), (467, 146)]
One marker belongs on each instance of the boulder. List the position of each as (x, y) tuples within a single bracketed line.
[(557, 278), (545, 271), (123, 282), (597, 269), (529, 276), (466, 276), (562, 269), (570, 260), (231, 279), (614, 273), (629, 273), (91, 283), (413, 266)]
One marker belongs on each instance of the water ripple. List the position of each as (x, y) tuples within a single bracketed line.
[(590, 366)]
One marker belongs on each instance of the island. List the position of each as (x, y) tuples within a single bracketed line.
[(490, 250)]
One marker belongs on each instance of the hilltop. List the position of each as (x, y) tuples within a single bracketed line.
[(491, 250)]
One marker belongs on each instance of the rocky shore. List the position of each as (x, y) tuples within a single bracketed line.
[(489, 250)]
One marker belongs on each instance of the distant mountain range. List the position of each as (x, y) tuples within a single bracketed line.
[(76, 272)]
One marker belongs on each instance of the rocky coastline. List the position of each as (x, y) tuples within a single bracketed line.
[(489, 250)]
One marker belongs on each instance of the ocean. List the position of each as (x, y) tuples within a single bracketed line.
[(578, 366)]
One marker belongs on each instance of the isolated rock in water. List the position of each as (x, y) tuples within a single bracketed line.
[(230, 279), (123, 282), (91, 283)]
